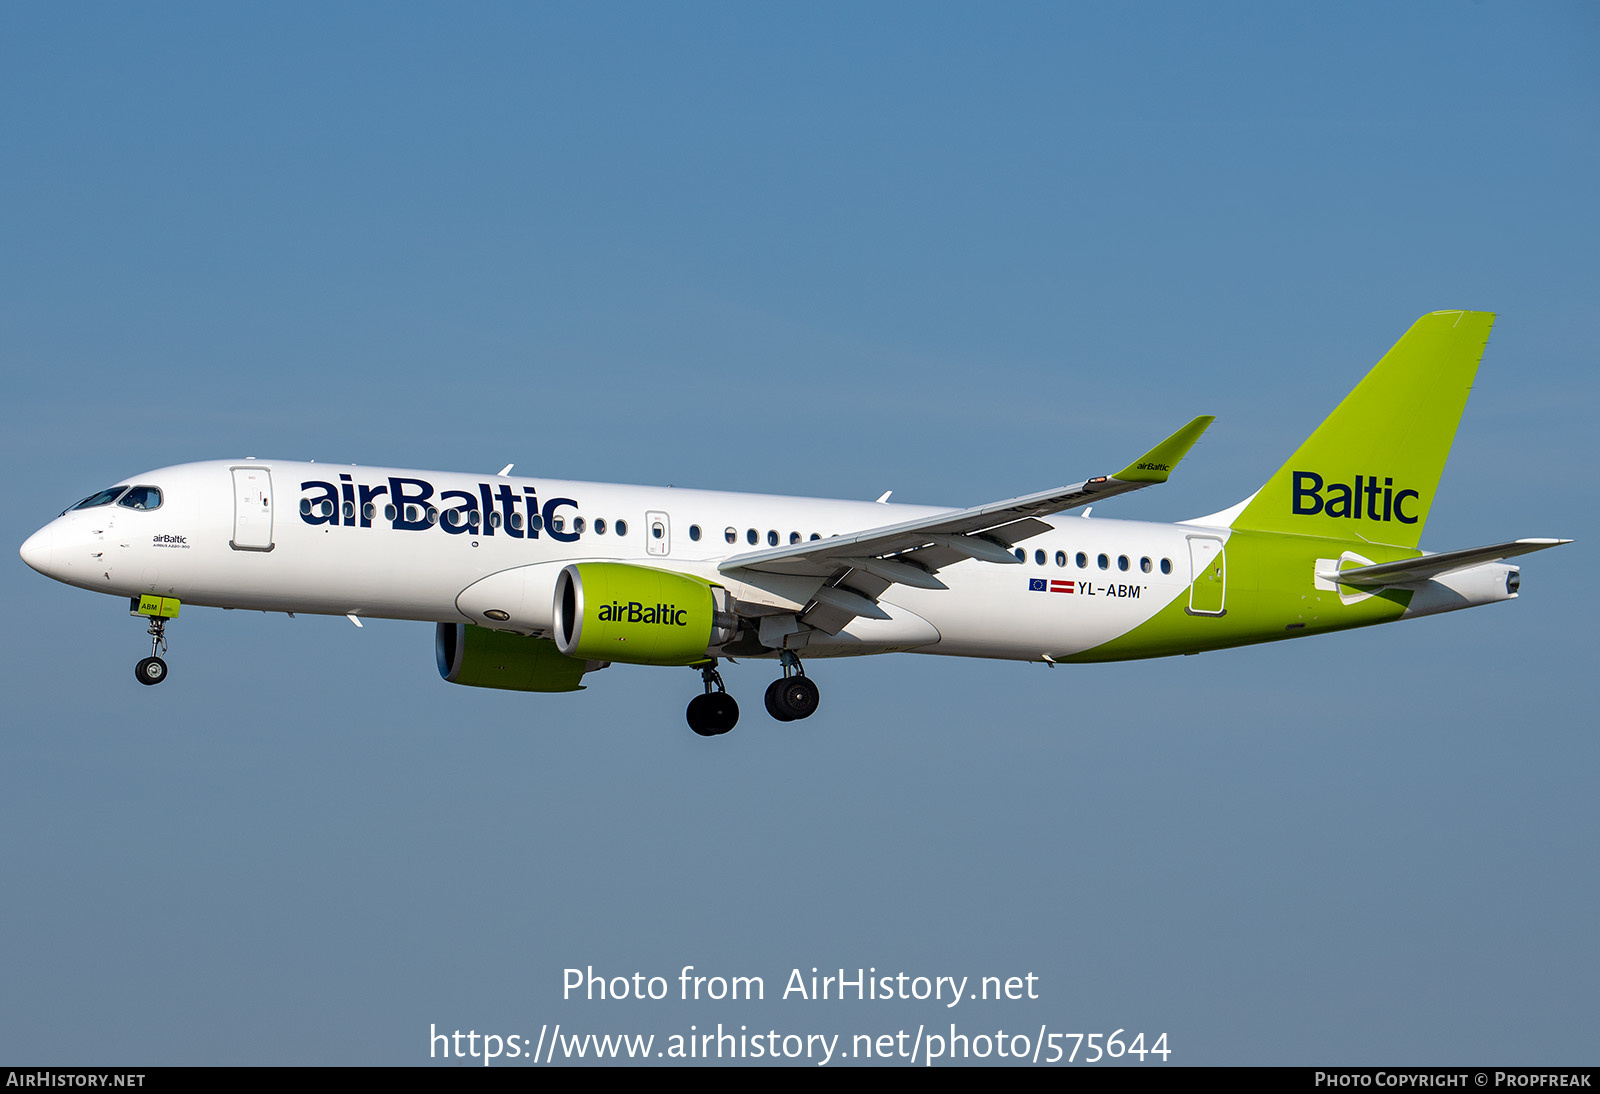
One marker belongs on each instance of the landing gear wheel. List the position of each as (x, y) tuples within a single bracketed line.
[(699, 719), (722, 711), (715, 712), (775, 705), (792, 698), (153, 670)]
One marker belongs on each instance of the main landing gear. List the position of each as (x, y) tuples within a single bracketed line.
[(793, 696), (715, 712), (789, 699), (153, 670)]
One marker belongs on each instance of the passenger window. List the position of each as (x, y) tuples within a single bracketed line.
[(730, 535), (369, 510), (433, 515), (1166, 565), (1083, 561), (1103, 561), (1038, 558), (622, 528), (599, 526), (558, 524), (472, 520), (1144, 564), (1022, 556), (516, 522), (349, 509), (815, 536), (794, 537), (535, 523), (1061, 558), (658, 530), (753, 536), (694, 532), (772, 538), (578, 525), (1122, 562), (494, 518), (389, 512)]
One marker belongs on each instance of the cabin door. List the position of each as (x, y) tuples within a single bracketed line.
[(252, 509), (1208, 570)]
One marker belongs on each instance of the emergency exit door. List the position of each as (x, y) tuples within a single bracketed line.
[(657, 534)]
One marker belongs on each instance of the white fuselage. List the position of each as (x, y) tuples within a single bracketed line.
[(497, 543)]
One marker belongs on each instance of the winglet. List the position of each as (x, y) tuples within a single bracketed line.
[(1156, 464)]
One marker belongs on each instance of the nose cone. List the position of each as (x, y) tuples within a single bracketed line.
[(38, 550)]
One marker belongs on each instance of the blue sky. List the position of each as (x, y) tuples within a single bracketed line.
[(958, 253)]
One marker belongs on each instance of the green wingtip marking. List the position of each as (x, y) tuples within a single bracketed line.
[(1156, 464)]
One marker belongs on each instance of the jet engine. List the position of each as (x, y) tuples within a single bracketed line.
[(611, 611), (482, 658)]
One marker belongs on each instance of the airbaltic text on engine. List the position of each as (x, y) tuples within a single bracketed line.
[(635, 612)]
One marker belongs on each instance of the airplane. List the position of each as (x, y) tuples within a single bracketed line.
[(532, 584)]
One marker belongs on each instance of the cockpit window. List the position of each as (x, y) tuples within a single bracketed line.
[(141, 497), (104, 497)]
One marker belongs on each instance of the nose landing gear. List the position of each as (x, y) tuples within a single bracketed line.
[(158, 609), (793, 696), (153, 670), (714, 712)]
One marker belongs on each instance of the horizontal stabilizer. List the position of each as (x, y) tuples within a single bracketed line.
[(1410, 570)]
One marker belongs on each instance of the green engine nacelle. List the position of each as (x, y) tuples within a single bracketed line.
[(610, 611), (481, 658)]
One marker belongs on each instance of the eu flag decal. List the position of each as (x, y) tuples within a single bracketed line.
[(1038, 585)]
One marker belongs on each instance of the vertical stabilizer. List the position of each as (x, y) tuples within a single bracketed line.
[(1371, 468)]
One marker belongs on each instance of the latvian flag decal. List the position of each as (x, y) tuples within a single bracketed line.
[(1040, 585)]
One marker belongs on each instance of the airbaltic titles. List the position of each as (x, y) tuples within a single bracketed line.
[(408, 505)]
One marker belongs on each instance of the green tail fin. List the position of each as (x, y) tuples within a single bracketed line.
[(1371, 468)]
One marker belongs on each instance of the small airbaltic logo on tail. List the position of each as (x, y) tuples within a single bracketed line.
[(1383, 502)]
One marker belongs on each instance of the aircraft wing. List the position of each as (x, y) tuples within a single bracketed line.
[(1410, 570), (853, 570)]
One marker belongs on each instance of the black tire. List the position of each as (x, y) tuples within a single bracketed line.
[(152, 670), (797, 696), (699, 717), (775, 705), (723, 711)]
